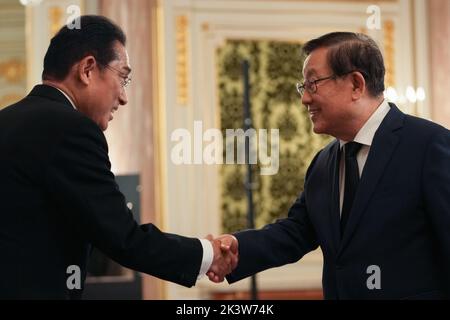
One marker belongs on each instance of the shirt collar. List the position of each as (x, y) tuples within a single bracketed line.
[(367, 132), (67, 96)]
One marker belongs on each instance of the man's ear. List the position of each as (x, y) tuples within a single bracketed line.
[(85, 69), (359, 85)]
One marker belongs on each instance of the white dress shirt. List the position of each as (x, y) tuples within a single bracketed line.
[(68, 98), (365, 137), (208, 256)]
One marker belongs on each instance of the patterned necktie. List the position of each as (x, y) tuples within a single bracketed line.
[(351, 180)]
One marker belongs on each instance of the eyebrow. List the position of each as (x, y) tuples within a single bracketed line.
[(310, 73)]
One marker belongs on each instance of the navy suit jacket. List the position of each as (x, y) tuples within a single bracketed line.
[(58, 197), (400, 219)]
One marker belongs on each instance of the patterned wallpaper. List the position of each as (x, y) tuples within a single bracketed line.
[(275, 67)]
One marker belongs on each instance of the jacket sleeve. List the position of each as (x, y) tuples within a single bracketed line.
[(436, 182), (285, 241), (80, 181)]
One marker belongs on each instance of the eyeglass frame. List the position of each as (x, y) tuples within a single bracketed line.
[(126, 79), (301, 87)]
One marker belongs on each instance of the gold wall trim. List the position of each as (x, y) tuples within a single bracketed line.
[(389, 52), (205, 26), (160, 126), (13, 71), (8, 99), (181, 31), (55, 14)]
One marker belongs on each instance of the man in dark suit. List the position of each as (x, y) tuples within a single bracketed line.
[(376, 200), (57, 193)]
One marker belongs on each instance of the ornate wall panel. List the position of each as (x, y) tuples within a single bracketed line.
[(275, 68)]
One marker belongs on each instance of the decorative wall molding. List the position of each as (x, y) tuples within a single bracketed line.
[(13, 71), (181, 28), (389, 52), (12, 52), (56, 14), (8, 99)]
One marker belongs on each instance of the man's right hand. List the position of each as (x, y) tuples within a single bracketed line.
[(225, 257)]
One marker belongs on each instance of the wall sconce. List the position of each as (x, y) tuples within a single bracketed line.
[(411, 95), (30, 2)]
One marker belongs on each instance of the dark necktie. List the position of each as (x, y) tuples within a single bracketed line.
[(351, 180)]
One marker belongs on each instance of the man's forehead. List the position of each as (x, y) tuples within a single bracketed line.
[(307, 69), (310, 72), (126, 65), (315, 63), (123, 58)]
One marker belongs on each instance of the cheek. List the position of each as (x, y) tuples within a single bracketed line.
[(103, 114), (327, 117)]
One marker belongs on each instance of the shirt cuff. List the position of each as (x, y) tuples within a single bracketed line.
[(208, 256)]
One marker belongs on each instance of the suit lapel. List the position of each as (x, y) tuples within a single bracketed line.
[(383, 146)]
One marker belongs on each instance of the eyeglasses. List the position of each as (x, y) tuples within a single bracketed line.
[(126, 80), (311, 86)]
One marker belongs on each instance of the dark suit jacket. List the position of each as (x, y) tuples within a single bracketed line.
[(400, 220), (58, 196)]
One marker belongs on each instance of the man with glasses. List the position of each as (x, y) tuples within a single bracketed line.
[(376, 200), (58, 196)]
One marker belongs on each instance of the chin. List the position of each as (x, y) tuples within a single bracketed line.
[(317, 129), (103, 126), (320, 130), (320, 127)]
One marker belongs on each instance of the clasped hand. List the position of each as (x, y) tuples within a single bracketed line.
[(225, 257)]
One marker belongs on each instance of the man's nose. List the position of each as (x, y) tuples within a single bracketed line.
[(123, 99), (306, 98)]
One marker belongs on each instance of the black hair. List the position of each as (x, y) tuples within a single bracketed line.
[(96, 36), (350, 51)]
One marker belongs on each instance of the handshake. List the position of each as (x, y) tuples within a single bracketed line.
[(225, 257)]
